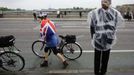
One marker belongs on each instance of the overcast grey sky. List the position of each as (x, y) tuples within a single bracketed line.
[(45, 4)]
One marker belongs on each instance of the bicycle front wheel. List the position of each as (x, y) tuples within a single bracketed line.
[(72, 51), (38, 48), (12, 61)]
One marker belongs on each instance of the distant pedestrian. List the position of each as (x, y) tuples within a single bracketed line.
[(80, 14), (129, 15), (65, 13), (58, 14), (103, 24), (34, 15), (61, 14)]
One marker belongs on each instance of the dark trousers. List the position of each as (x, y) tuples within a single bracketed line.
[(101, 61)]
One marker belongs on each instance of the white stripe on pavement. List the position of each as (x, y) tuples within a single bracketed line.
[(75, 26), (113, 51), (71, 71), (88, 71)]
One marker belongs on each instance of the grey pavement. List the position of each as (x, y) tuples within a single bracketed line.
[(26, 30)]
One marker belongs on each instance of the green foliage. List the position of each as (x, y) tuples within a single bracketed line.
[(5, 9)]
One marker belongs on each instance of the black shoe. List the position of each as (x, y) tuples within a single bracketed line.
[(65, 64), (102, 74), (98, 74), (44, 64)]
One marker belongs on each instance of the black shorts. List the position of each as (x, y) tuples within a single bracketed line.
[(54, 49)]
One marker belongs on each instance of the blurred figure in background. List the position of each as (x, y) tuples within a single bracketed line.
[(35, 15), (58, 13), (129, 15)]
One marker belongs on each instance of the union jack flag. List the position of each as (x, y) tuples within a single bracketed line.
[(47, 27)]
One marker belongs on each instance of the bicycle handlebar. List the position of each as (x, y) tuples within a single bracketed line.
[(61, 36)]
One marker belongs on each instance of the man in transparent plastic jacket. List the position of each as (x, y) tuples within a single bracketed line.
[(103, 24)]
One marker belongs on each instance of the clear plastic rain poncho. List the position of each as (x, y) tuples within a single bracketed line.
[(104, 24)]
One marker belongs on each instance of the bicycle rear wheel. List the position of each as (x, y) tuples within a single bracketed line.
[(72, 51), (12, 61), (38, 48)]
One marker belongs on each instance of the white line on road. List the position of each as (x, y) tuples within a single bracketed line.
[(79, 36), (75, 26), (70, 71), (113, 51), (88, 71)]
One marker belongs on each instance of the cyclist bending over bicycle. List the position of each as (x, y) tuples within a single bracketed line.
[(48, 33)]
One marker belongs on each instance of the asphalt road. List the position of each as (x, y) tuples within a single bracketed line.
[(27, 30)]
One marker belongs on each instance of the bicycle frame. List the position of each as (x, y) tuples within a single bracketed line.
[(62, 43), (43, 44), (12, 48)]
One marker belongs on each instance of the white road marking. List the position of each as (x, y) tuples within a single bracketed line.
[(70, 71), (113, 51), (80, 71), (75, 26), (79, 36)]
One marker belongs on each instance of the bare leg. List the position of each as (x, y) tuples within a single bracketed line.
[(46, 56), (61, 57), (45, 63)]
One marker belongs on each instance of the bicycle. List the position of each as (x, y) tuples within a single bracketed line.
[(68, 47), (10, 60)]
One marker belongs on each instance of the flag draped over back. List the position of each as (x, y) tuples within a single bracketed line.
[(47, 27)]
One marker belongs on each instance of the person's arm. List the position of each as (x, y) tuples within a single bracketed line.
[(92, 31), (91, 23), (120, 20), (44, 28)]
